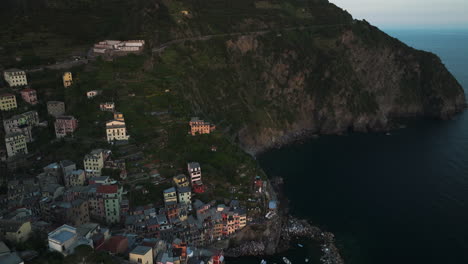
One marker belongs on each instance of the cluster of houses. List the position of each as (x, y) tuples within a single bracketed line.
[(117, 47), (67, 202), (80, 205), (19, 128)]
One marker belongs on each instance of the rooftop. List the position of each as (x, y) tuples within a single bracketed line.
[(185, 189), (170, 190), (66, 117), (107, 189), (63, 233), (140, 250), (194, 165), (55, 102), (11, 258)]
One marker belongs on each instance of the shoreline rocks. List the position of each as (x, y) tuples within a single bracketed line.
[(295, 228)]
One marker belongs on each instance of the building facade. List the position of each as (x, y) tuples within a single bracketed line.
[(112, 196), (65, 125), (184, 195), (15, 144), (194, 171), (116, 131), (94, 162), (67, 79), (198, 127), (30, 118), (15, 77), (108, 106), (55, 108), (141, 255), (119, 116), (7, 102), (29, 96)]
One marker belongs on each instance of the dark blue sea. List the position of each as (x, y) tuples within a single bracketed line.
[(389, 199)]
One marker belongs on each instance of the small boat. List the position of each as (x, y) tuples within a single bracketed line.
[(388, 134), (306, 260), (300, 245), (263, 262), (286, 260)]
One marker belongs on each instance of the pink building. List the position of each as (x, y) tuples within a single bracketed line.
[(29, 96), (65, 125)]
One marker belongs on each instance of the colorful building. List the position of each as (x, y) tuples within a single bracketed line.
[(74, 178), (194, 171), (184, 195), (116, 131), (7, 102), (141, 255), (198, 126), (170, 196), (112, 196), (94, 162), (181, 180), (65, 125), (119, 116), (29, 96), (67, 79), (108, 106), (15, 77)]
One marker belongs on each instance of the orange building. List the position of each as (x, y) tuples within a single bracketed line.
[(198, 126)]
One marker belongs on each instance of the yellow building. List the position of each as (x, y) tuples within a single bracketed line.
[(119, 116), (15, 231), (7, 102), (142, 255), (94, 162), (116, 131), (181, 180), (67, 79), (170, 195), (15, 77), (16, 144)]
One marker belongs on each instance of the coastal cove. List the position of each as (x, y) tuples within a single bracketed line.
[(399, 198)]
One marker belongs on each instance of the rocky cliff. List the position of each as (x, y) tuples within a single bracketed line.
[(268, 88)]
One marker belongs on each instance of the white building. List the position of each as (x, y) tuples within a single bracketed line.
[(116, 131), (15, 77), (108, 106), (184, 195), (15, 144), (92, 94), (65, 239), (194, 171)]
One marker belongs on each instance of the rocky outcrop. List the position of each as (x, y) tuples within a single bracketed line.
[(362, 81)]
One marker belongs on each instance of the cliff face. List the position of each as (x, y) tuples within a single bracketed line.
[(269, 88), (361, 85)]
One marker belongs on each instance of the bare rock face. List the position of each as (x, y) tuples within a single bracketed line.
[(362, 80)]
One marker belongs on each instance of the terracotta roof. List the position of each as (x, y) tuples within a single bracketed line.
[(113, 243), (28, 90), (6, 94), (107, 189)]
